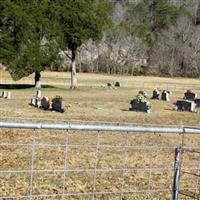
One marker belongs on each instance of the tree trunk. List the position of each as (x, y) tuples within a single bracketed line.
[(74, 83), (37, 80)]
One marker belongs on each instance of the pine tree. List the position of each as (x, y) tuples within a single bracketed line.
[(28, 37)]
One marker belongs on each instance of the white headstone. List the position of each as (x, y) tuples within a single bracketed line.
[(8, 95), (4, 94), (38, 94), (33, 101), (165, 95), (38, 103)]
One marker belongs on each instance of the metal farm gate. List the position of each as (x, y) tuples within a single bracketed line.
[(98, 161)]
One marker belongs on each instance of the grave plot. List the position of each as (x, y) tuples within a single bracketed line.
[(45, 103), (114, 84), (57, 103), (165, 95), (140, 104), (36, 99), (156, 94), (185, 105), (109, 84), (6, 95), (118, 84)]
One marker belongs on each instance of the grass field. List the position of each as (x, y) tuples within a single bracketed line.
[(94, 101)]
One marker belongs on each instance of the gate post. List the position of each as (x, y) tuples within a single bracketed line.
[(177, 171)]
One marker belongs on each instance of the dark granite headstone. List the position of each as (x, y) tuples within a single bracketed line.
[(156, 94), (197, 101), (45, 103), (58, 105), (117, 84), (190, 96), (185, 105), (139, 106), (109, 84)]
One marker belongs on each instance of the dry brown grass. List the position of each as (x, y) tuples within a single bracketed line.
[(93, 101)]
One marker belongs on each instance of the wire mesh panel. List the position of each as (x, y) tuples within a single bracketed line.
[(83, 164)]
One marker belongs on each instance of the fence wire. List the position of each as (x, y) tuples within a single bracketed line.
[(40, 161)]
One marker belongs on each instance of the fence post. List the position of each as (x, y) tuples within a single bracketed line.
[(177, 171)]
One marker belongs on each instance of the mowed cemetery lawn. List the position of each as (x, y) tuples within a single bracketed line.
[(94, 101), (151, 155)]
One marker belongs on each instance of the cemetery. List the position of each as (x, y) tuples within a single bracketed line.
[(83, 102), (86, 99), (56, 104), (77, 79)]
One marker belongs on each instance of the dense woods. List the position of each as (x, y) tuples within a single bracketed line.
[(156, 37), (136, 37)]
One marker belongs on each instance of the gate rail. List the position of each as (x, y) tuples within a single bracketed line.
[(126, 130)]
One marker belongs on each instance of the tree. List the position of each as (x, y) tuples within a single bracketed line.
[(178, 49), (81, 20), (28, 37), (149, 17)]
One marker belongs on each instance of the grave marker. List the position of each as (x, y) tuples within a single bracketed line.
[(33, 101), (58, 104), (185, 105), (45, 103), (140, 104), (189, 95), (156, 94), (165, 95), (109, 84), (197, 101), (117, 84), (38, 94)]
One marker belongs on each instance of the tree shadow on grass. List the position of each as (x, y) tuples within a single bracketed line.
[(21, 86)]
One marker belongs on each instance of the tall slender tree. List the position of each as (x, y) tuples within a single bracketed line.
[(81, 20)]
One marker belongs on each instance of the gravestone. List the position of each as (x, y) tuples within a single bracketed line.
[(38, 103), (185, 105), (109, 84), (58, 105), (33, 101), (38, 94), (143, 93), (197, 101), (4, 94), (140, 104), (8, 96), (191, 96), (156, 94), (45, 103), (165, 95), (117, 84)]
